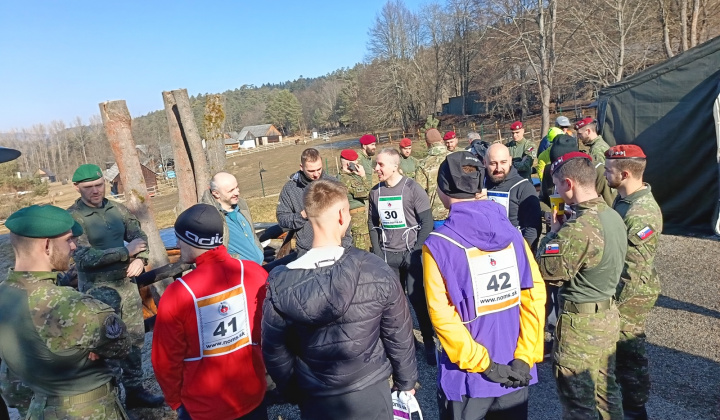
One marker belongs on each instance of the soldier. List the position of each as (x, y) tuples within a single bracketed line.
[(105, 265), (587, 134), (352, 176), (639, 285), (367, 151), (584, 257), (451, 141), (55, 338), (522, 151), (428, 179), (409, 165)]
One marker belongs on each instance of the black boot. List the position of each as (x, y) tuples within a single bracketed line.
[(635, 413), (430, 352), (140, 397)]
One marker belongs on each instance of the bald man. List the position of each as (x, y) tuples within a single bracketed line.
[(238, 232), (507, 187)]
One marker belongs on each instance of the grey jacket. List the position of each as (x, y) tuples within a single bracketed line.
[(208, 198)]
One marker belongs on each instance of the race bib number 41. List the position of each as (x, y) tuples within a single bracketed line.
[(224, 322), (496, 280)]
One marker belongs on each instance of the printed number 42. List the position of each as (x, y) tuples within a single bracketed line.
[(221, 330), (494, 285)]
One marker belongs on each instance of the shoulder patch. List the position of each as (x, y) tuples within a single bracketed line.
[(552, 248), (645, 233), (113, 327)]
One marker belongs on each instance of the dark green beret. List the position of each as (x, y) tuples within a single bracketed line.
[(40, 222), (77, 230), (87, 172)]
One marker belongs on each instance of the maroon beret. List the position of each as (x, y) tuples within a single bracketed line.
[(625, 151), (367, 139), (582, 123), (516, 125), (449, 135), (566, 157), (349, 154), (406, 142)]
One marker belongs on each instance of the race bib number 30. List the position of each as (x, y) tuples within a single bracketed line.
[(392, 215), (224, 322), (496, 280)]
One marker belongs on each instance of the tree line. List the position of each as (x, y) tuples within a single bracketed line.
[(519, 57)]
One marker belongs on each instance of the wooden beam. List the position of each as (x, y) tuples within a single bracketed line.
[(184, 174)]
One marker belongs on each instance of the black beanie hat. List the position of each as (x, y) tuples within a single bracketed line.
[(562, 145), (200, 226), (455, 183)]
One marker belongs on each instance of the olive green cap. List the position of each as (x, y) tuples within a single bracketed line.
[(77, 229), (40, 222), (87, 172)]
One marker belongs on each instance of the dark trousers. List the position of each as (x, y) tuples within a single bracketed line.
[(411, 279), (260, 413), (371, 403), (512, 406)]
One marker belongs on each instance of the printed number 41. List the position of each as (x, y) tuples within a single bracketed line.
[(221, 330), (494, 285)]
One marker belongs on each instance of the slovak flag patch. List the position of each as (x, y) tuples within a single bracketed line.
[(552, 249), (645, 233)]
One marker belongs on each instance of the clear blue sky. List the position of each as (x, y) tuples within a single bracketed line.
[(60, 59)]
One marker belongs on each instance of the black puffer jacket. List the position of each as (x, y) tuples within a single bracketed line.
[(337, 329)]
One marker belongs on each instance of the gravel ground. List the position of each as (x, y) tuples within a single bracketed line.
[(683, 335)]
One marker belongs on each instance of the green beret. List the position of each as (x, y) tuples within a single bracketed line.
[(87, 172), (40, 222), (77, 230)]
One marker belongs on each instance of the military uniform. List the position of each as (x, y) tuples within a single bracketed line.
[(637, 292), (523, 155), (358, 191), (427, 178), (369, 165), (409, 166), (585, 259), (102, 261), (597, 150)]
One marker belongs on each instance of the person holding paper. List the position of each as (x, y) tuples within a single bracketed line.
[(505, 186)]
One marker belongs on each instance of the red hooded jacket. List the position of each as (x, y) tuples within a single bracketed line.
[(217, 301)]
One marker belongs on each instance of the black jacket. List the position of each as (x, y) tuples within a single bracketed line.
[(337, 329), (524, 212), (290, 204)]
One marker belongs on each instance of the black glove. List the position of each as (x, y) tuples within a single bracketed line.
[(182, 413), (522, 368), (503, 375)]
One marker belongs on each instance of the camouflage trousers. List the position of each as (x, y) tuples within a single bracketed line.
[(14, 390), (584, 365), (359, 229), (107, 407), (123, 296), (636, 299)]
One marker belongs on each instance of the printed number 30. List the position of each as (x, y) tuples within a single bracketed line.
[(494, 285), (221, 330), (391, 215)]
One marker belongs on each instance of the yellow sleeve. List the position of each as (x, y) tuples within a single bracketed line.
[(532, 317), (543, 160), (456, 340)]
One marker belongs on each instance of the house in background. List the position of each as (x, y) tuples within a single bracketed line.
[(259, 134), (46, 175), (112, 176)]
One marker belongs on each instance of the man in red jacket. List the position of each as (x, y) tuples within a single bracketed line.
[(206, 351)]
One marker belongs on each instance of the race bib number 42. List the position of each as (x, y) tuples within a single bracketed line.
[(496, 280), (224, 322)]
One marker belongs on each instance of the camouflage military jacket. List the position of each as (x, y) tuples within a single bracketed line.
[(101, 252), (48, 332), (523, 155), (643, 221), (597, 149), (585, 257), (358, 189), (409, 166), (369, 166), (426, 176)]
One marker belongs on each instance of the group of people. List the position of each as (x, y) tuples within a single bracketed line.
[(458, 231)]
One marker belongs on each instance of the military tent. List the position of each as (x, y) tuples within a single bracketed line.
[(672, 111)]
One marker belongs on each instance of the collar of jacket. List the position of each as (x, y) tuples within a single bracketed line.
[(87, 210), (437, 149), (32, 276), (219, 253), (589, 204), (512, 177), (593, 141), (637, 194)]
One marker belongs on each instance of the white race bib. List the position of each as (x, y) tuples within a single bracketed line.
[(392, 214), (502, 198), (223, 321), (495, 279)]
